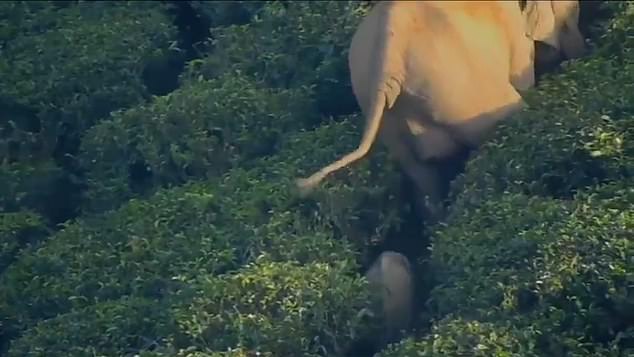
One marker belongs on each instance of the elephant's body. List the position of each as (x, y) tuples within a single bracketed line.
[(450, 87), (433, 78), (391, 272)]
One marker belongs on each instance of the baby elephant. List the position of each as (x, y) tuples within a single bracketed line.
[(392, 273)]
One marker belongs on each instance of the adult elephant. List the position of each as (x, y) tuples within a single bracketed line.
[(434, 77)]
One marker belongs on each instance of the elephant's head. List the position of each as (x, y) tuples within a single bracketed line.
[(556, 24)]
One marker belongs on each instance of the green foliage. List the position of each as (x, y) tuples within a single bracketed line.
[(618, 37), (38, 186), (87, 63), (565, 263), (290, 44), (362, 202), (196, 132), (18, 230), (18, 17), (277, 309), (184, 231), (115, 328), (65, 66), (195, 230), (225, 13), (152, 241), (462, 337), (271, 307), (539, 234), (560, 268), (29, 185)]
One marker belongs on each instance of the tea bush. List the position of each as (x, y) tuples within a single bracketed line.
[(93, 260), (19, 17), (363, 203), (18, 230), (213, 225), (196, 132), (290, 44), (65, 66), (536, 252), (41, 187), (560, 268), (113, 328), (89, 62), (271, 307), (226, 13), (206, 228), (278, 308), (530, 276), (466, 337), (240, 199)]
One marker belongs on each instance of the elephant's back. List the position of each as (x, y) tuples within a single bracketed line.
[(460, 67), (457, 44), (376, 48)]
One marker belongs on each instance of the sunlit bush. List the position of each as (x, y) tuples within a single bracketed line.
[(270, 307), (560, 268), (278, 308), (539, 235), (206, 228), (198, 131), (467, 337)]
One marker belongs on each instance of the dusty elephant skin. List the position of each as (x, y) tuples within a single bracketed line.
[(391, 272), (561, 38), (556, 23), (435, 77)]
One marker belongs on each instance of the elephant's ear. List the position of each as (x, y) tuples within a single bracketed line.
[(540, 22)]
